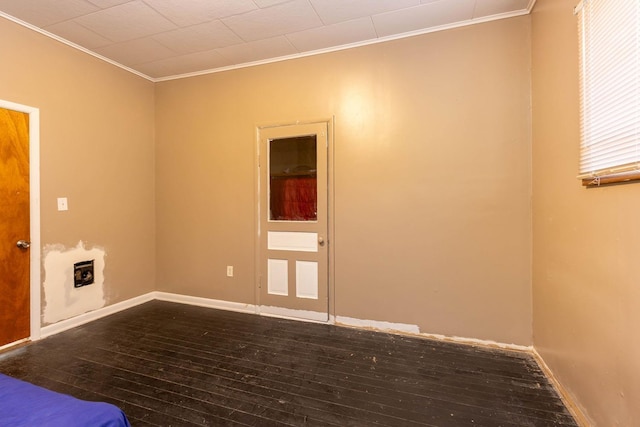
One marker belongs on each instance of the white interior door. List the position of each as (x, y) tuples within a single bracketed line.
[(293, 224)]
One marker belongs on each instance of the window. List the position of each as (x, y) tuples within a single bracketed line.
[(609, 32)]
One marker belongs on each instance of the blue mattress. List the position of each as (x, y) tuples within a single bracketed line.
[(24, 404)]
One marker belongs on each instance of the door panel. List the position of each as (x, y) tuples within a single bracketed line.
[(14, 226), (293, 255)]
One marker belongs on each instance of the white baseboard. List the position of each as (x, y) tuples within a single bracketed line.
[(396, 328), (94, 315), (206, 302), (478, 342), (566, 397), (288, 313), (402, 328), (13, 344), (414, 331)]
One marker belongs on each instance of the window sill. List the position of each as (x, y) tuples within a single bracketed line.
[(607, 180)]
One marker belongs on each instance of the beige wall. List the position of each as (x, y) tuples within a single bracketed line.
[(586, 273), (432, 177), (97, 149)]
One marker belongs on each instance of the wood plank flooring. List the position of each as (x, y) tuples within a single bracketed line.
[(168, 364)]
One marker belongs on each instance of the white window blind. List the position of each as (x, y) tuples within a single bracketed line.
[(609, 32)]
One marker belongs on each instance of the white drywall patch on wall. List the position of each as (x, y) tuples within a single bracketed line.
[(378, 325), (290, 313), (407, 329), (62, 299)]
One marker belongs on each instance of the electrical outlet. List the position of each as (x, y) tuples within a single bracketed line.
[(229, 270), (62, 204)]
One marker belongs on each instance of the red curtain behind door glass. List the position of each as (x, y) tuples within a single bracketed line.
[(294, 198)]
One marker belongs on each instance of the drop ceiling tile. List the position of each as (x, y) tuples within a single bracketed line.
[(184, 13), (76, 33), (42, 13), (334, 11), (191, 63), (268, 3), (258, 50), (206, 34), (197, 38), (105, 4), (296, 15), (135, 52), (427, 15), (495, 7), (353, 31), (126, 22)]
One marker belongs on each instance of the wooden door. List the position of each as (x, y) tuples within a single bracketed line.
[(293, 243), (14, 226)]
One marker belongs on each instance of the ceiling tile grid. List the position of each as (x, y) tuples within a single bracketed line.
[(334, 11), (429, 15), (126, 21), (184, 13), (71, 30), (44, 13), (283, 18), (198, 38), (164, 39), (137, 51), (343, 33), (258, 50)]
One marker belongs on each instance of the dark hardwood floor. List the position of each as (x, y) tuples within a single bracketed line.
[(170, 364)]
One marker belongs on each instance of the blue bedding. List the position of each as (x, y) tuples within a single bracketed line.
[(24, 404)]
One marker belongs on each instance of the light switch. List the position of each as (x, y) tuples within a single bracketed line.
[(62, 204)]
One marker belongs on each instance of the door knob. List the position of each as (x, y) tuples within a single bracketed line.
[(321, 241), (23, 244)]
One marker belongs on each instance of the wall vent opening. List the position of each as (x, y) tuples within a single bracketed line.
[(83, 273)]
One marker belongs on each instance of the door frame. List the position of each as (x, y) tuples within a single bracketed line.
[(34, 214), (329, 122)]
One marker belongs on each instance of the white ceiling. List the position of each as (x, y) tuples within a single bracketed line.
[(163, 39)]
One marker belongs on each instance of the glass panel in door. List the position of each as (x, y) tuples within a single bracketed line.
[(293, 189)]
